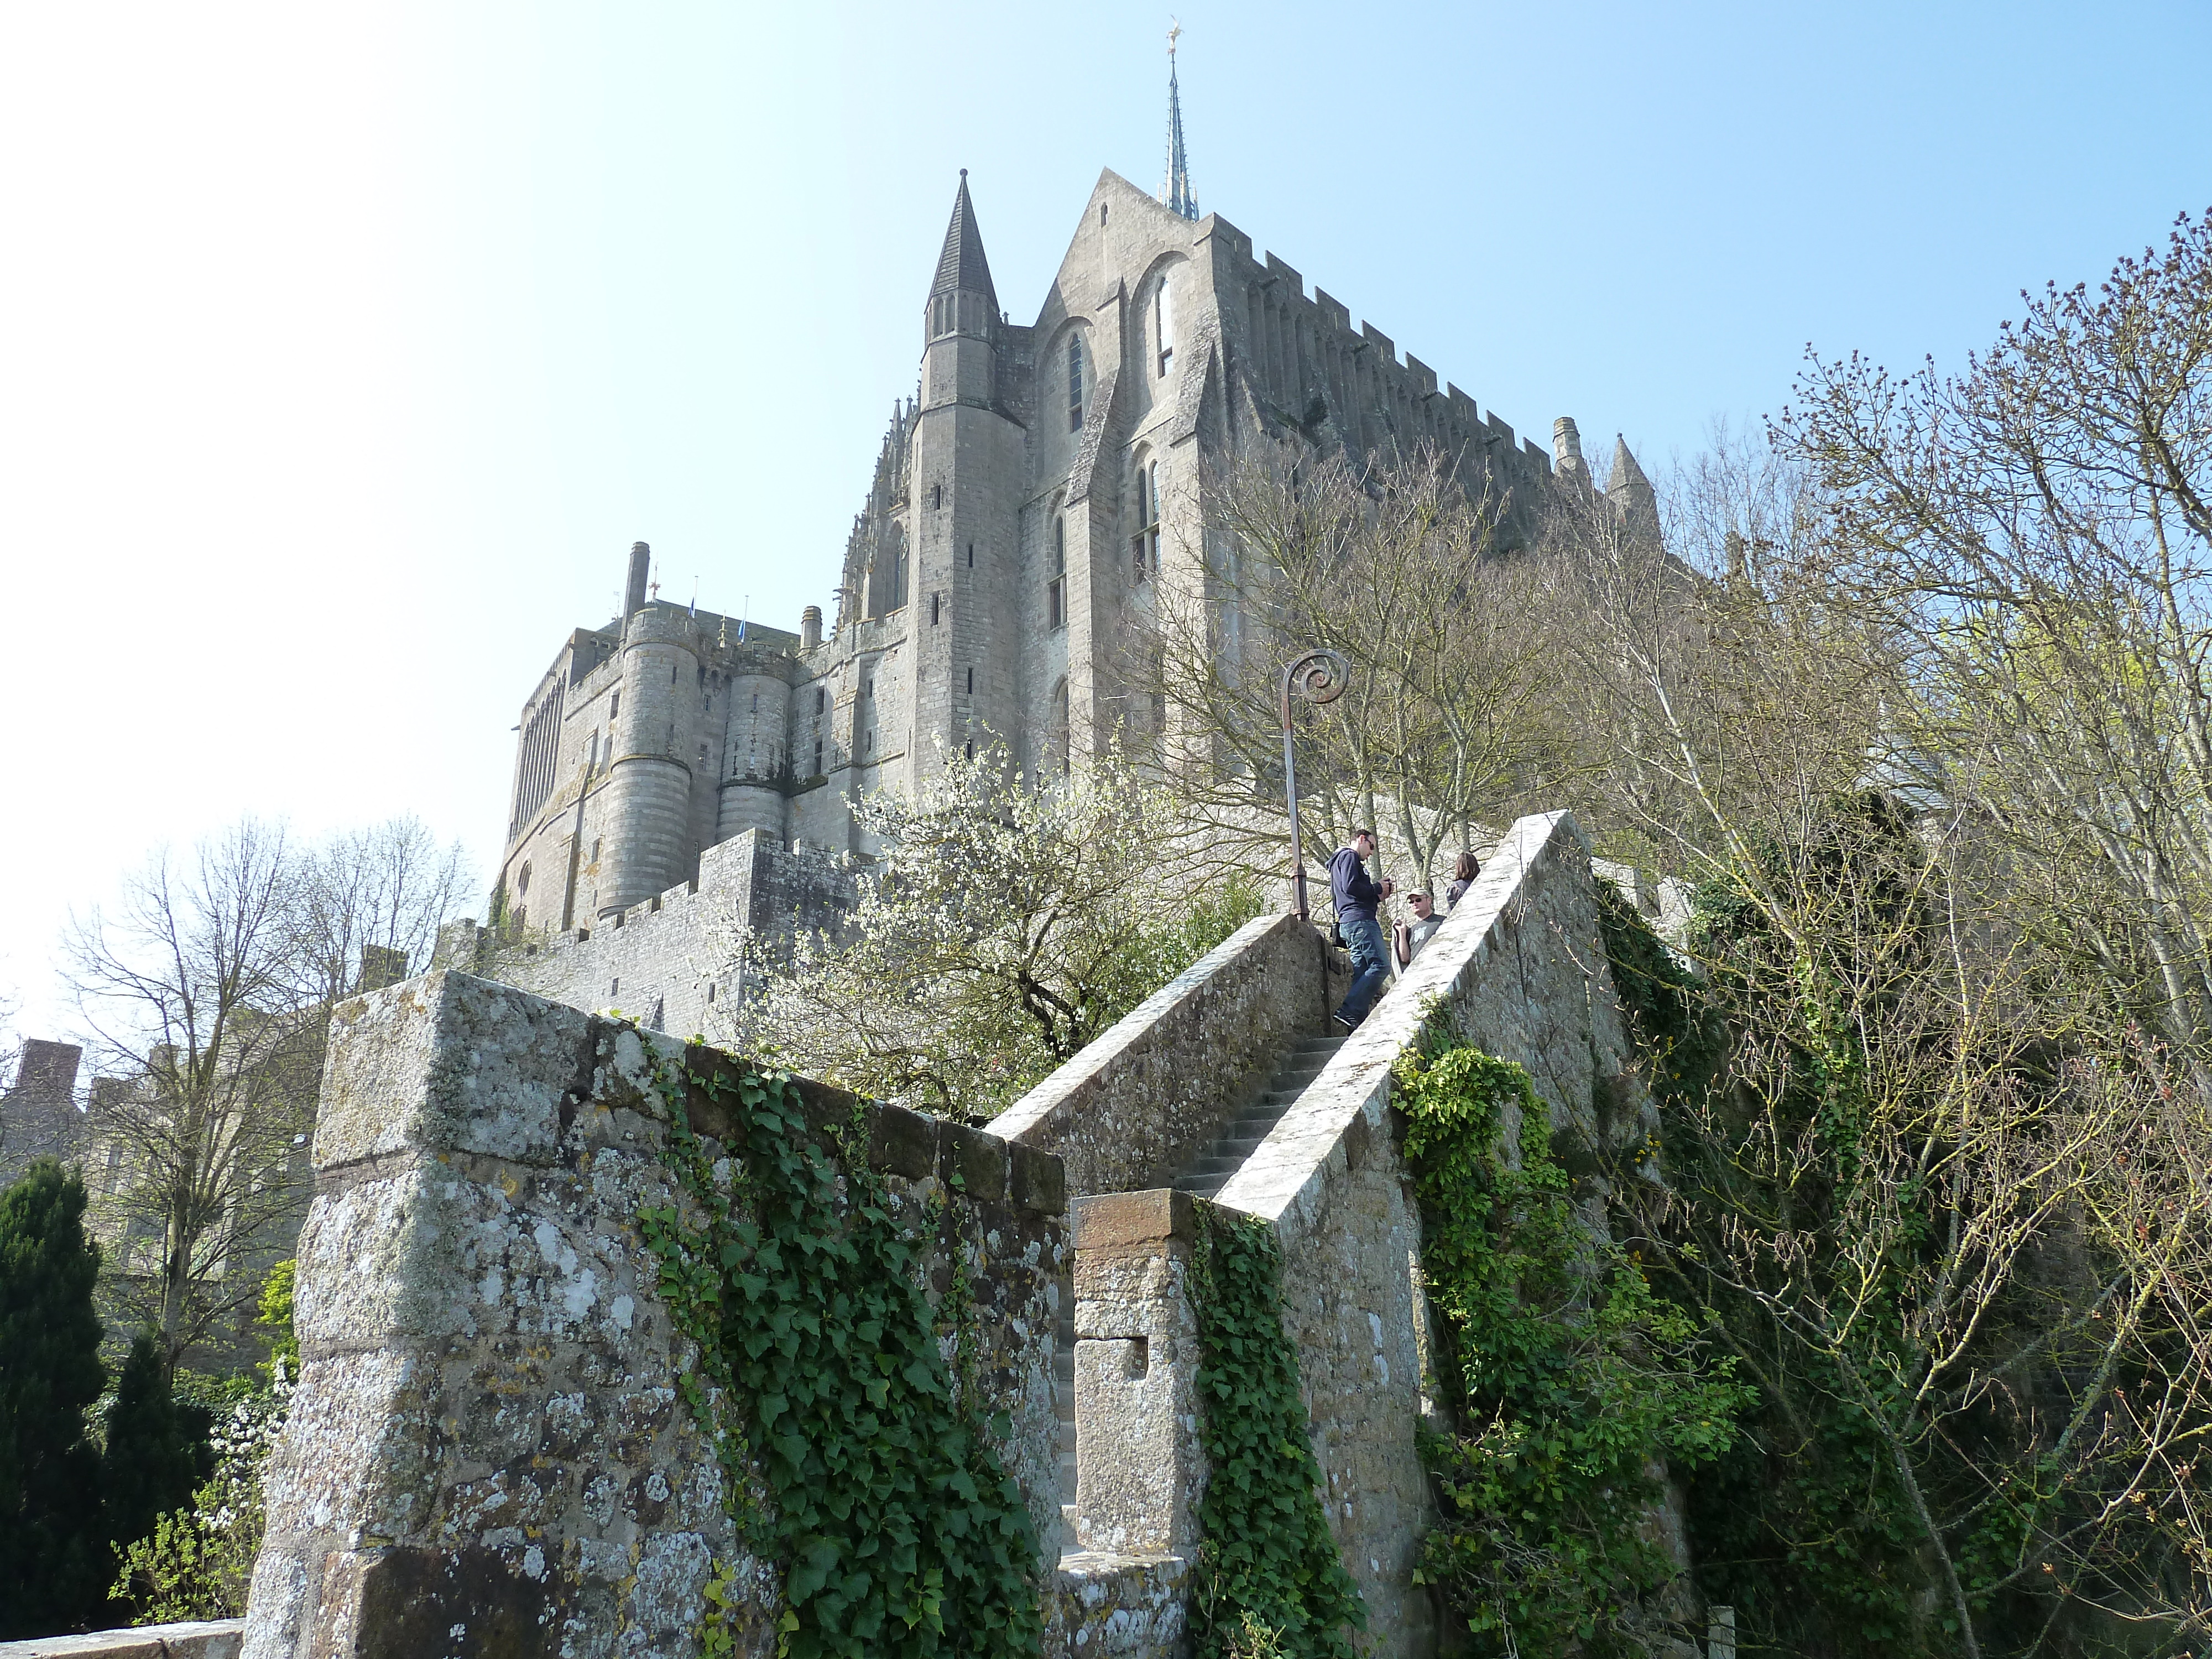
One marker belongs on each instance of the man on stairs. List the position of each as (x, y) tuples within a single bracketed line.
[(1357, 895)]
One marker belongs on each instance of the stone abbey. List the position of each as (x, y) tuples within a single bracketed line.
[(1044, 488)]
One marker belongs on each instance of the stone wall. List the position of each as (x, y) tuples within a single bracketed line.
[(674, 964), (487, 1452), (1133, 1109), (1520, 967)]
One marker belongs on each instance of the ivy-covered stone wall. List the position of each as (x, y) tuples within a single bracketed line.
[(495, 1444)]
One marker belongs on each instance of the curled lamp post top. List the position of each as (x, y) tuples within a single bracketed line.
[(1319, 677)]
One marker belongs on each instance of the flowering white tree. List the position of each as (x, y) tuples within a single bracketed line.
[(1003, 930)]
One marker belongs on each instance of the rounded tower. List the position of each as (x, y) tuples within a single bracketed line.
[(760, 721), (646, 799)]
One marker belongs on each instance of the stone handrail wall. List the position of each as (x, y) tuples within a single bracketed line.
[(1520, 970), (1133, 1109), (212, 1638), (487, 1450)]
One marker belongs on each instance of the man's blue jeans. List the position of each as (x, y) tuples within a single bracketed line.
[(1363, 937)]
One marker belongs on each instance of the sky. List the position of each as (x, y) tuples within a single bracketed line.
[(344, 349)]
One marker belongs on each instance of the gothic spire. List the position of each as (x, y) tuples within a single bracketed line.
[(961, 265), (1176, 191)]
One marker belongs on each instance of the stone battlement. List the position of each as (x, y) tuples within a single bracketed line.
[(677, 962)]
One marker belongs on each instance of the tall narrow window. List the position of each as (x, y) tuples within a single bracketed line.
[(1075, 383), (1145, 545), (1163, 326), (933, 600), (1055, 614), (614, 709), (971, 682), (971, 556)]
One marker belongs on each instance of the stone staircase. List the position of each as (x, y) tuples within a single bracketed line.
[(1300, 1066)]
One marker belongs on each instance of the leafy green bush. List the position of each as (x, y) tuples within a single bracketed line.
[(274, 1315), (197, 1562), (1573, 1382)]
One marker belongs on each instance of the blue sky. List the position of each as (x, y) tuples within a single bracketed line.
[(343, 351)]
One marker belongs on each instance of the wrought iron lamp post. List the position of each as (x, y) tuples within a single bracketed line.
[(1319, 677)]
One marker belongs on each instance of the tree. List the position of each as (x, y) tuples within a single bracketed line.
[(52, 1561), (209, 991), (1003, 930), (1908, 694), (371, 903), (196, 993), (2033, 539), (1893, 1199), (1448, 720)]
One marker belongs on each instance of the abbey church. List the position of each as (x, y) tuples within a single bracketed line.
[(1042, 489)]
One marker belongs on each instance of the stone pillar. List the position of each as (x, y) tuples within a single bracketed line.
[(1139, 1473)]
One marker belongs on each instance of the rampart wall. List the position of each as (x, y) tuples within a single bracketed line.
[(675, 962)]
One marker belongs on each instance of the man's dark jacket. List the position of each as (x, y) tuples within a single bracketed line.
[(1355, 894)]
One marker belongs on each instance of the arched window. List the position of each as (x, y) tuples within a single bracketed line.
[(1145, 545), (1055, 607), (1075, 383), (1162, 328)]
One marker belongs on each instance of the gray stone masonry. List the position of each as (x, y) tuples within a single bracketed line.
[(215, 1638), (488, 1452), (1133, 1109), (39, 1116)]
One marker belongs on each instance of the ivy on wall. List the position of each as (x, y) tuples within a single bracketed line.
[(855, 1457), (1269, 1573), (1571, 1382)]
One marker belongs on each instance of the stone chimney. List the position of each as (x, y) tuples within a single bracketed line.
[(1567, 446), (809, 628), (641, 567)]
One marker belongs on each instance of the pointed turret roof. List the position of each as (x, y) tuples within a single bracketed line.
[(1627, 479), (961, 265), (1176, 191)]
